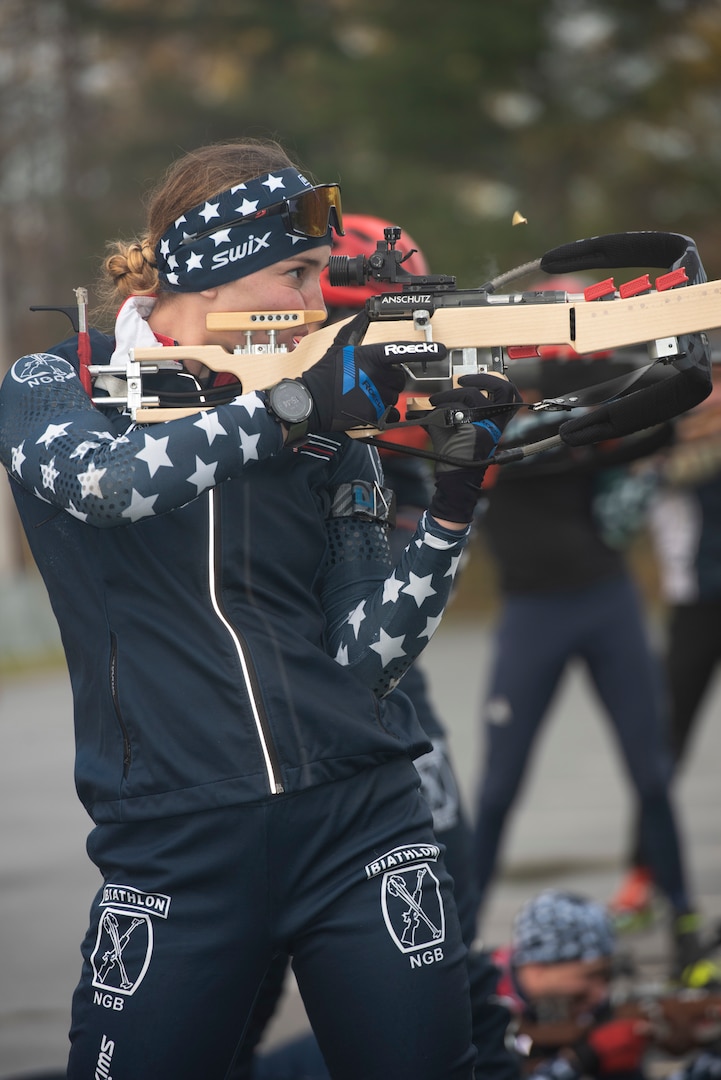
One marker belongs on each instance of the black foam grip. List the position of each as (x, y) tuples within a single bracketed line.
[(660, 249), (644, 409)]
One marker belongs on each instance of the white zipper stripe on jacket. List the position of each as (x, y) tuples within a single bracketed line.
[(275, 785)]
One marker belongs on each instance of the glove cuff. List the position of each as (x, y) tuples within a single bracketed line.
[(456, 495)]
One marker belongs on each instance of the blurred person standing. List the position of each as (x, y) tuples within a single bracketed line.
[(567, 595), (684, 519)]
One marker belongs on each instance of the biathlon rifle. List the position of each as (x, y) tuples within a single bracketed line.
[(677, 1021), (482, 329)]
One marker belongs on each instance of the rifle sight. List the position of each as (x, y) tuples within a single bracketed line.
[(383, 265)]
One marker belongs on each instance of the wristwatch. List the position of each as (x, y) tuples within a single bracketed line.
[(290, 401)]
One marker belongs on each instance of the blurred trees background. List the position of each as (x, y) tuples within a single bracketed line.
[(587, 116)]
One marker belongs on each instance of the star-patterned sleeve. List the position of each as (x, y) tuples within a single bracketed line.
[(56, 444), (379, 635)]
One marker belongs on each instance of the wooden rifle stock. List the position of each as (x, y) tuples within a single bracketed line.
[(479, 323)]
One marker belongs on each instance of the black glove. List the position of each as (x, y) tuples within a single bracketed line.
[(355, 384), (458, 488)]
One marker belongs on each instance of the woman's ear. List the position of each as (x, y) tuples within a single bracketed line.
[(209, 294)]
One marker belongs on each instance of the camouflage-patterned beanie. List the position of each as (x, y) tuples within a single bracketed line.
[(555, 927)]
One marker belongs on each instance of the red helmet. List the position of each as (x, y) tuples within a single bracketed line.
[(362, 233)]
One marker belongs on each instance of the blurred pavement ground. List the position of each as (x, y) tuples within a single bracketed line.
[(569, 830)]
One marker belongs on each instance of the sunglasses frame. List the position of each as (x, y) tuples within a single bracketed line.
[(286, 210)]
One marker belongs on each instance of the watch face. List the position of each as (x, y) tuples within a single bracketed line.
[(291, 401)]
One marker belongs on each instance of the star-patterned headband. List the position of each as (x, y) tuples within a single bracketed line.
[(247, 227)]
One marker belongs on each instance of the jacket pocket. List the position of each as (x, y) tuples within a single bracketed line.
[(127, 751)]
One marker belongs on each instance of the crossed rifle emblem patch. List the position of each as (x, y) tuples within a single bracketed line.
[(122, 950), (413, 908)]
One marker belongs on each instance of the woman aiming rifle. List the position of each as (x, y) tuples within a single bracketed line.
[(234, 632)]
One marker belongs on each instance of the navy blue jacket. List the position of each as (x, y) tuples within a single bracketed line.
[(227, 638)]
